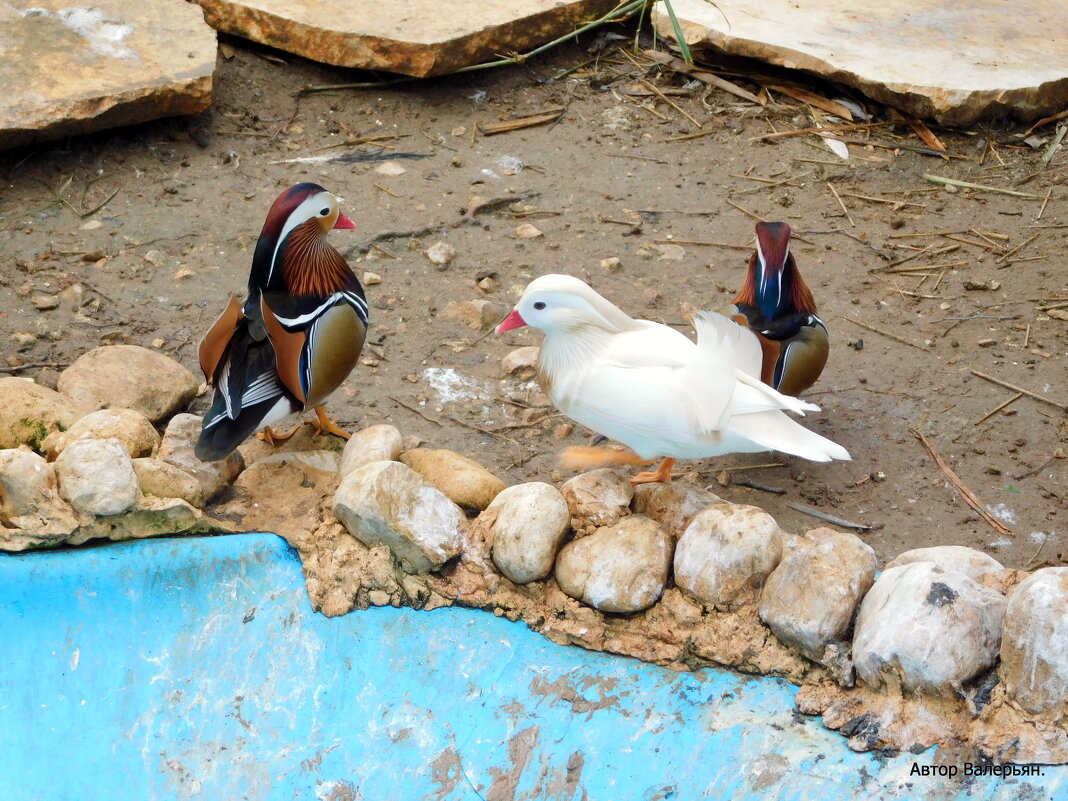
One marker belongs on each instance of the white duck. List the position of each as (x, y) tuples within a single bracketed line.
[(652, 388)]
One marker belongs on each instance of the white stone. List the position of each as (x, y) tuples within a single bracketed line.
[(129, 377), (672, 505), (440, 254), (926, 629), (809, 600), (164, 480), (597, 498), (97, 477), (176, 448), (389, 503), (955, 62), (381, 443), (726, 553), (1034, 644), (968, 561), (128, 426), (26, 482), (532, 521), (620, 568)]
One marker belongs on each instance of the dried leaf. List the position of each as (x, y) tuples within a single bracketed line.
[(815, 100)]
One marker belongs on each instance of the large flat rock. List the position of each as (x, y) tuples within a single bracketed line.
[(953, 62), (70, 69), (414, 37)]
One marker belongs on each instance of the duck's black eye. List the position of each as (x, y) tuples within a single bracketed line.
[(324, 212), (539, 305)]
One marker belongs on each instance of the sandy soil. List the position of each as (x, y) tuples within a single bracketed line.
[(609, 179)]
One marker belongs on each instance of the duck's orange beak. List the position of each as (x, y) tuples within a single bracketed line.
[(343, 221), (513, 320)]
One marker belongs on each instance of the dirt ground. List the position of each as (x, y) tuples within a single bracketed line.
[(613, 177)]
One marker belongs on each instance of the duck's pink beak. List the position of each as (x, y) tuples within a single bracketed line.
[(513, 320), (343, 221)]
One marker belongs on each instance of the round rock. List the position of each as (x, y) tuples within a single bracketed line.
[(96, 476), (726, 553), (464, 481), (926, 629), (620, 568), (128, 426), (532, 520), (1034, 644), (809, 600), (672, 505), (27, 482), (521, 362), (597, 498), (129, 377), (968, 561), (30, 412), (388, 503), (176, 448), (164, 480), (381, 443)]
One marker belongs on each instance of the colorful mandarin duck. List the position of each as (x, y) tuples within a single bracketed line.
[(652, 388), (777, 306), (296, 337)]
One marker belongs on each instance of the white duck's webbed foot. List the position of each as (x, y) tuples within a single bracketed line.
[(662, 474)]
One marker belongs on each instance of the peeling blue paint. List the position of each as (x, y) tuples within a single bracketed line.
[(195, 669)]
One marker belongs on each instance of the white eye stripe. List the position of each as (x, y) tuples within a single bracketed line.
[(301, 214)]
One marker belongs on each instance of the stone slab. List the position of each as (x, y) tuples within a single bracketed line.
[(70, 68), (953, 62), (413, 37)]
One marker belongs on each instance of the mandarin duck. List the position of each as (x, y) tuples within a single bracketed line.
[(297, 335), (776, 305), (652, 388)]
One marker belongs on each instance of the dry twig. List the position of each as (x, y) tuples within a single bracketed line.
[(955, 480)]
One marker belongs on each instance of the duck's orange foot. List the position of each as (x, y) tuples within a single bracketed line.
[(324, 425), (580, 457), (272, 437), (661, 475)]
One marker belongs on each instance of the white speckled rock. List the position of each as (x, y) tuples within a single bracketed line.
[(597, 498), (381, 443), (97, 477), (31, 512), (164, 480), (672, 505), (926, 629), (972, 563), (809, 600), (532, 520), (464, 481), (26, 482), (389, 503), (176, 448), (619, 568), (128, 426), (29, 413), (129, 377), (1034, 644), (726, 553)]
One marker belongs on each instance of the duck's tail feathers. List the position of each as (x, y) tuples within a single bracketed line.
[(777, 432), (247, 396)]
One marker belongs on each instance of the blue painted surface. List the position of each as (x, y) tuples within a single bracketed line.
[(196, 669)]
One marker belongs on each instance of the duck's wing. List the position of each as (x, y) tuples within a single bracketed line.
[(212, 346), (316, 340), (247, 394)]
